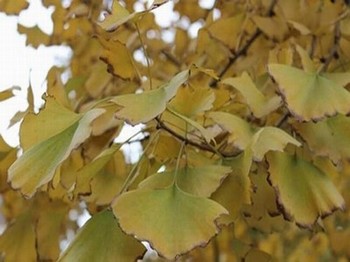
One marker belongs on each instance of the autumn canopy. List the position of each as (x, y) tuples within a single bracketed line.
[(245, 134)]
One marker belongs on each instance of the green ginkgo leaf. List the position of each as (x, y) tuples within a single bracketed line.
[(329, 137), (199, 181), (255, 99), (310, 95), (172, 221), (270, 139), (38, 163), (304, 191), (102, 240), (141, 108)]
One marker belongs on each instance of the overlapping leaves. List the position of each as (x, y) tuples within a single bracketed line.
[(50, 148), (172, 208)]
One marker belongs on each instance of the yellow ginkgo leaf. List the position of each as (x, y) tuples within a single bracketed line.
[(329, 137), (172, 221), (35, 36), (17, 243), (49, 154), (310, 96), (306, 61), (304, 191), (8, 93), (199, 181), (102, 240), (270, 139), (141, 108), (13, 7), (240, 131), (118, 59), (118, 17), (257, 102)]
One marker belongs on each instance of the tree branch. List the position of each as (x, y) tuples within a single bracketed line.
[(245, 48)]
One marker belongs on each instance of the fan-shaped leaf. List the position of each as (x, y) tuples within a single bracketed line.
[(270, 139), (172, 221), (310, 96), (199, 181), (102, 240), (140, 108), (305, 192), (257, 102), (118, 17), (329, 137), (37, 165)]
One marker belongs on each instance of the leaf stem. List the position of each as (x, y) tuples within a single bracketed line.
[(146, 56), (243, 50), (133, 174)]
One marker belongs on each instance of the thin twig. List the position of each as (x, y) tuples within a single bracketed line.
[(243, 50), (201, 146)]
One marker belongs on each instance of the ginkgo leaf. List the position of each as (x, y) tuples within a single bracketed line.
[(329, 137), (141, 108), (306, 61), (118, 17), (240, 131), (257, 102), (35, 36), (116, 55), (17, 243), (37, 165), (49, 229), (37, 128), (102, 240), (172, 221), (310, 96), (270, 139), (91, 169), (8, 93), (199, 181), (235, 189), (13, 7), (304, 191), (208, 136)]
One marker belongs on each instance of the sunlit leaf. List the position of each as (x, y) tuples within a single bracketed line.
[(102, 240), (199, 181), (173, 221), (35, 36), (119, 16), (310, 96), (49, 154), (13, 7), (257, 102), (141, 108), (304, 191)]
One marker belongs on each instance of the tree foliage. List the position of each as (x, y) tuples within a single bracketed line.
[(245, 146)]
